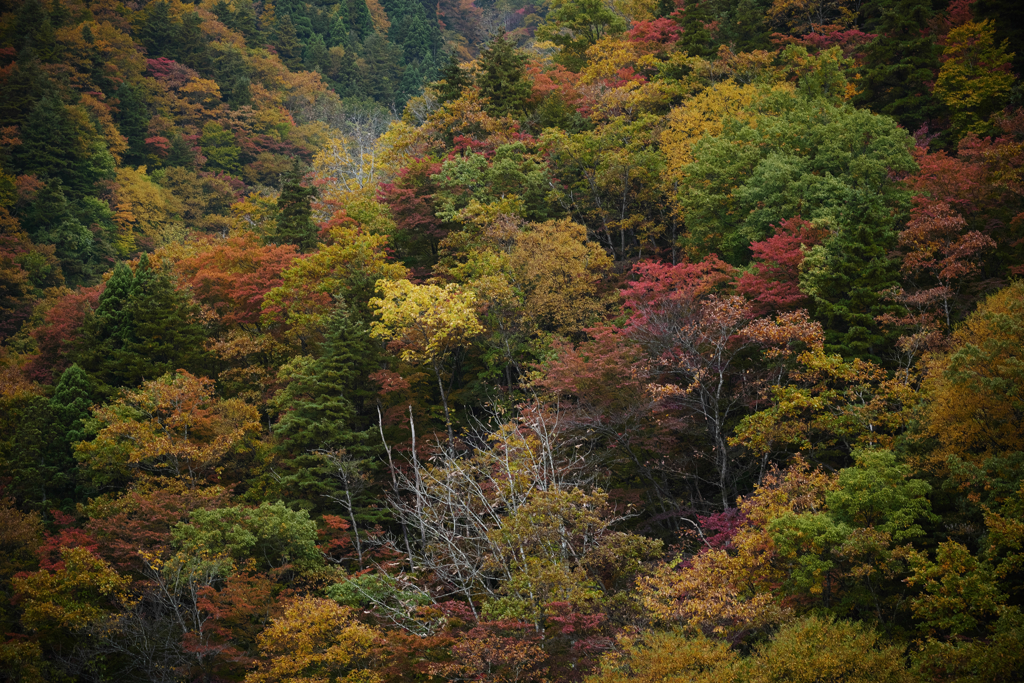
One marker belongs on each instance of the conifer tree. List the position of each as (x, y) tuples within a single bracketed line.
[(132, 120), (453, 80), (901, 64), (246, 22), (315, 56), (286, 42), (190, 45), (143, 328), (51, 220), (358, 18), (57, 145), (159, 31), (294, 220), (322, 431), (338, 35), (320, 405), (502, 78)]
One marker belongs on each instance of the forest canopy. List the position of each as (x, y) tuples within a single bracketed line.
[(511, 341)]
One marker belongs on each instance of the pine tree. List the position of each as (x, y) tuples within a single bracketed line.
[(846, 276), (696, 40), (57, 145), (380, 71), (51, 220), (33, 29), (246, 22), (900, 65), (69, 407), (165, 331), (320, 406), (294, 221), (339, 31), (502, 78), (190, 45)]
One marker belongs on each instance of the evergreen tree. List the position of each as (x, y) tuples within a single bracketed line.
[(322, 430), (165, 333), (190, 45), (295, 215), (453, 80), (26, 85), (246, 22), (219, 148), (338, 35), (846, 276), (900, 65), (33, 29), (132, 120), (143, 328), (696, 40), (321, 404), (412, 29), (159, 31), (57, 145), (380, 71), (286, 42), (502, 78), (51, 220), (358, 18), (231, 72), (315, 56)]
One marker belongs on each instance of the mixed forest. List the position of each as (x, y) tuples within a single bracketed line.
[(511, 341)]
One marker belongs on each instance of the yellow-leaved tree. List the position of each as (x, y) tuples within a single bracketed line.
[(315, 641), (428, 323)]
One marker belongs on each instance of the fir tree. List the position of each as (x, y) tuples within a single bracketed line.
[(294, 221), (132, 120), (315, 55), (900, 65), (159, 31), (51, 220), (696, 40), (338, 34), (359, 19), (327, 439), (453, 80), (502, 78), (143, 328), (286, 42), (56, 145), (190, 45), (33, 29)]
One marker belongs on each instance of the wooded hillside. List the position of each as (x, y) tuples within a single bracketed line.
[(482, 340)]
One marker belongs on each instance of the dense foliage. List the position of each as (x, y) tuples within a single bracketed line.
[(584, 340)]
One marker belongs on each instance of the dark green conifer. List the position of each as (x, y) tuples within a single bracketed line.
[(359, 19), (453, 80), (286, 42), (315, 56), (295, 215), (159, 31), (900, 65), (502, 78)]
